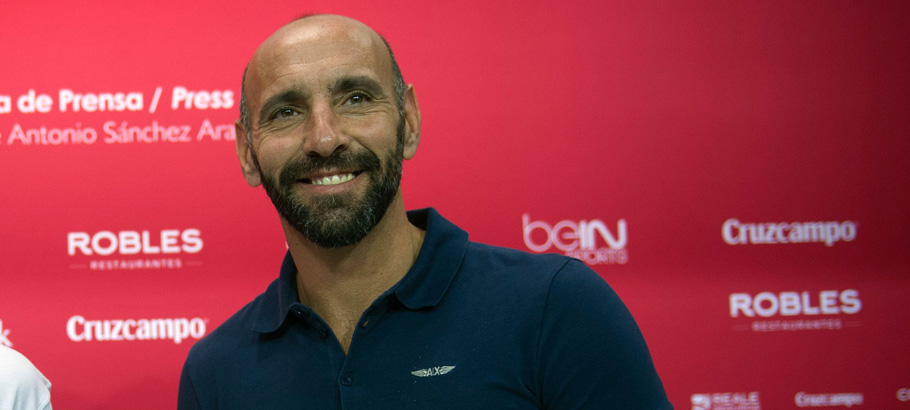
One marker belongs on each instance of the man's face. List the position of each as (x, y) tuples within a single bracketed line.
[(343, 219), (328, 137)]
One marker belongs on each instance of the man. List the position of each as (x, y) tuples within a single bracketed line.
[(22, 386), (377, 308)]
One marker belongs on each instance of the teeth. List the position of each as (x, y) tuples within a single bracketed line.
[(334, 179)]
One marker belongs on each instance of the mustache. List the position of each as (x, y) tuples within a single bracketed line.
[(365, 161)]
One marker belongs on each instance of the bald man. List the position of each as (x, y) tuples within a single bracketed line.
[(379, 308)]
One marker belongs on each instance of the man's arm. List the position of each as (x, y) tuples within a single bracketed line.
[(591, 353), (186, 397)]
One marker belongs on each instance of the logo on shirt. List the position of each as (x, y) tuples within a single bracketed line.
[(803, 399), (726, 401), (433, 371), (4, 336), (582, 239)]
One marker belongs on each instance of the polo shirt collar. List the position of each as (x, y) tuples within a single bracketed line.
[(423, 286), (437, 263)]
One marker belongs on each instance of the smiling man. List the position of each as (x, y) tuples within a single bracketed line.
[(379, 308)]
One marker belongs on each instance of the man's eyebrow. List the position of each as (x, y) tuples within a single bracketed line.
[(359, 83), (277, 100)]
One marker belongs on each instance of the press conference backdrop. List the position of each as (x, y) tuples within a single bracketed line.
[(737, 171)]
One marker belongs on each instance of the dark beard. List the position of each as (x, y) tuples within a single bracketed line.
[(334, 221)]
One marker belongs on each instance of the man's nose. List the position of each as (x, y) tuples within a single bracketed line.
[(323, 137)]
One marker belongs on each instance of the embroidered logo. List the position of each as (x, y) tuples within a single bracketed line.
[(433, 371)]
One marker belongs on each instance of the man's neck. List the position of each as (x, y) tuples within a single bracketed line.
[(339, 284)]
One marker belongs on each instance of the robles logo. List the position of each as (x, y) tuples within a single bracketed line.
[(79, 329), (129, 243), (578, 239), (769, 304)]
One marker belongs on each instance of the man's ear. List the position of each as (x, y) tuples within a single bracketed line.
[(412, 122), (245, 155)]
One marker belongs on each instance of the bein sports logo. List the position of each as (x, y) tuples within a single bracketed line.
[(578, 239), (726, 401)]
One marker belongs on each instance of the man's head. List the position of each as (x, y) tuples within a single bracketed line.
[(325, 122)]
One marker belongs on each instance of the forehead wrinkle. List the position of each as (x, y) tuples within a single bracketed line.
[(312, 40), (325, 31)]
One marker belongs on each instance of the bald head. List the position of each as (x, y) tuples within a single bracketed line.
[(331, 34)]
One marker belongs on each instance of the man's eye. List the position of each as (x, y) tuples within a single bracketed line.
[(286, 113), (358, 98)]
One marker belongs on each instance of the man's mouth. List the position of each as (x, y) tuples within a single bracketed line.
[(333, 179)]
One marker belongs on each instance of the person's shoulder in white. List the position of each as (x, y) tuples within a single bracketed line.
[(22, 386)]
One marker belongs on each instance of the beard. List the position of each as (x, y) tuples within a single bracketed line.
[(333, 221)]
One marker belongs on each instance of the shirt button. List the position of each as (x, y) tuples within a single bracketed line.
[(365, 324), (347, 380)]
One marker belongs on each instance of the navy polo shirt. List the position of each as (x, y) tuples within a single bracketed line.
[(470, 326)]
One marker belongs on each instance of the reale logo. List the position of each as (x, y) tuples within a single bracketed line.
[(4, 336), (578, 239), (726, 401), (701, 402)]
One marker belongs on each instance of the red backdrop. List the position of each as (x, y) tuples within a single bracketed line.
[(738, 171)]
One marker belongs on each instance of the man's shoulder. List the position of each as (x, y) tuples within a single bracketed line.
[(233, 334), (523, 271), (500, 259)]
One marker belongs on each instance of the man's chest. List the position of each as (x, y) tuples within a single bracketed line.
[(392, 363)]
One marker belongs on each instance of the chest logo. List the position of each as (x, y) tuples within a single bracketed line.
[(433, 371)]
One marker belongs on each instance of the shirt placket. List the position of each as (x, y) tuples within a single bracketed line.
[(351, 394)]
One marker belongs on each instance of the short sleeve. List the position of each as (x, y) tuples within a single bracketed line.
[(186, 395), (591, 352), (22, 386)]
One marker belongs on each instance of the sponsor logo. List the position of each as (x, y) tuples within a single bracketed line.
[(726, 401), (80, 329), (803, 399), (4, 336), (127, 250), (578, 239), (787, 304), (433, 371), (735, 232), (767, 304), (903, 394)]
